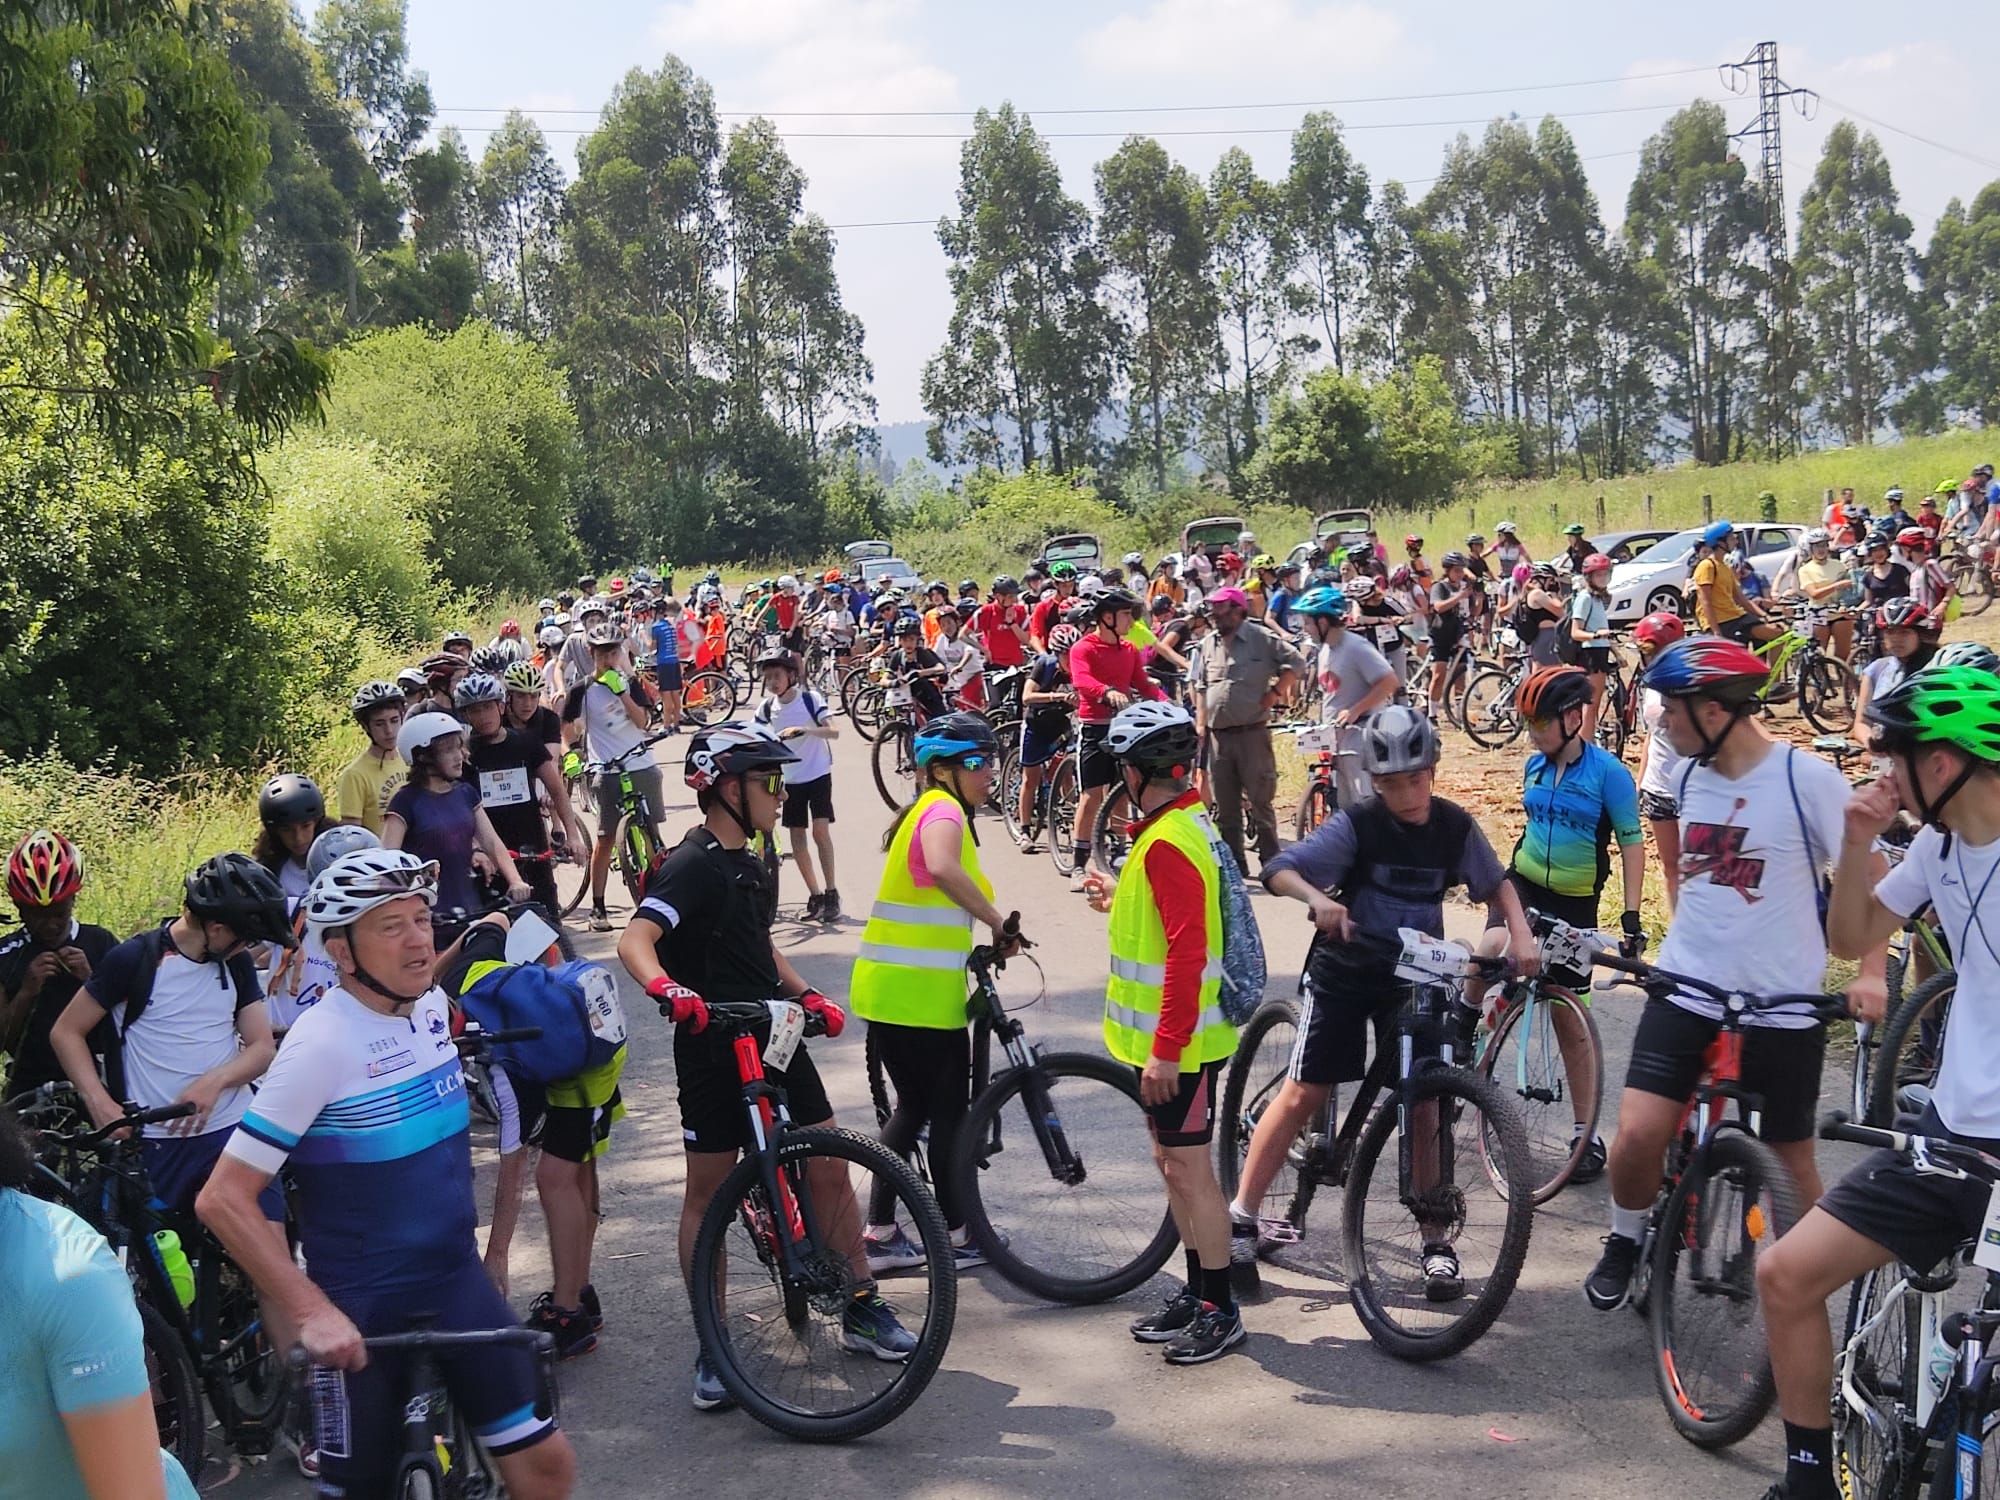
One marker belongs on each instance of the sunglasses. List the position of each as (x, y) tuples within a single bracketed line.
[(975, 762), (773, 784)]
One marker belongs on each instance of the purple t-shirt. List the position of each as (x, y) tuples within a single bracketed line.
[(439, 826)]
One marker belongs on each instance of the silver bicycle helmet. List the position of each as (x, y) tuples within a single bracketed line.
[(1396, 739)]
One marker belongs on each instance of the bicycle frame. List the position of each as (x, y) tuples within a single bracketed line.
[(785, 1236)]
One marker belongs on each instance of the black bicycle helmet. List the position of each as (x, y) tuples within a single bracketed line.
[(1111, 601), (493, 659), (235, 890), (1006, 584), (291, 798)]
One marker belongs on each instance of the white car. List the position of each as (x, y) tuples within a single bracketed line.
[(1657, 579), (878, 573)]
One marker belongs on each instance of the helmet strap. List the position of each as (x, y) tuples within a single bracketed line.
[(1712, 746), (1932, 812), (403, 1003)]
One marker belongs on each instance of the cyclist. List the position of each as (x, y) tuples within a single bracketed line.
[(1539, 611), (1108, 673), (365, 1109), (917, 667), (614, 724), (78, 1423), (913, 1000), (1589, 627), (1047, 703), (43, 965), (800, 715), (1283, 596), (1354, 680), (1719, 603), (514, 772), (441, 673), (1379, 621), (1480, 569), (1760, 824), (375, 775), (574, 663), (1162, 1018), (1823, 579), (1941, 730), (1909, 637), (958, 650), (300, 977), (458, 643), (291, 813), (416, 690), (437, 817), (1052, 607), (1883, 578), (526, 713), (1002, 624), (1387, 863), (703, 932), (1509, 551), (1660, 763), (1576, 546), (1930, 585), (1450, 610)]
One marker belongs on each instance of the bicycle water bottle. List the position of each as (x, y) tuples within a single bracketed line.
[(179, 1272), (1938, 1364)]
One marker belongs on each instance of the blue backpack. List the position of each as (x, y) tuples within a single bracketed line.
[(575, 1005), (1243, 967)]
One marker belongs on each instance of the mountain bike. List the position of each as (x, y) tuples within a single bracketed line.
[(894, 757), (442, 1460), (775, 1267), (1914, 1403), (1064, 1213), (207, 1336), (710, 697), (1724, 1199), (1487, 710), (635, 843), (1417, 1158), (1053, 811), (1972, 577), (1321, 799), (1618, 715), (1823, 685)]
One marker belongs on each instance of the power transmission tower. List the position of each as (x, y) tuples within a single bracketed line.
[(1783, 406)]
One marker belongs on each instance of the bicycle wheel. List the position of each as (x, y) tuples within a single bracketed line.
[(1054, 1169), (1973, 585), (637, 852), (1315, 807), (1108, 842), (1012, 774), (1909, 1045), (1524, 1057), (176, 1391), (1709, 1357), (777, 1339), (249, 1378), (1827, 688), (1611, 730), (571, 870), (1256, 1073), (708, 698), (1062, 798), (868, 708), (1491, 720), (1393, 1215), (878, 1079), (894, 761), (1873, 1358)]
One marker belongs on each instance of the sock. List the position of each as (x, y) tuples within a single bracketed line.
[(1215, 1289), (1082, 854), (1239, 1213), (1809, 1462), (1194, 1273), (960, 1237), (1630, 1222)]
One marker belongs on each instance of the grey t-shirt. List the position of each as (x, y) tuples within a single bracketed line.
[(1348, 667)]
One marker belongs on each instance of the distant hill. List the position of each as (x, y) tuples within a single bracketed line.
[(903, 441)]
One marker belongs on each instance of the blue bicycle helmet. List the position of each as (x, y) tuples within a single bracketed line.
[(953, 736), (1715, 532), (1328, 600)]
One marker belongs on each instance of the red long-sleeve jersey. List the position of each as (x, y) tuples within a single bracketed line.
[(1098, 666)]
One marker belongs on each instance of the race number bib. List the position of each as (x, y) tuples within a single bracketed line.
[(788, 1024), (1425, 959), (507, 788), (898, 696)]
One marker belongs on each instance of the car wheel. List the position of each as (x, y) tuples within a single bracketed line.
[(1663, 600)]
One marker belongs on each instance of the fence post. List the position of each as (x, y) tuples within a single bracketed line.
[(1600, 513), (1649, 508), (1707, 507), (1554, 514)]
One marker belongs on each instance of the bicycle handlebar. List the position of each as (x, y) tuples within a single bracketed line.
[(542, 1342), (133, 1118), (1660, 983), (617, 762), (477, 1037), (1837, 1126), (747, 1013)]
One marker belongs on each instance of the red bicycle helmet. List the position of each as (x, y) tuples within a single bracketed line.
[(1913, 538), (1903, 614), (1552, 691), (1707, 666), (1658, 630), (1412, 542), (45, 869), (1596, 562)]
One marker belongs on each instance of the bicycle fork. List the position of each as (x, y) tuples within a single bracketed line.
[(782, 1206)]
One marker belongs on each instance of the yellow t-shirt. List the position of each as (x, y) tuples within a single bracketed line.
[(1817, 575), (366, 784), (1725, 591), (1141, 635)]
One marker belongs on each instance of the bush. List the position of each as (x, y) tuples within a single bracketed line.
[(1320, 449)]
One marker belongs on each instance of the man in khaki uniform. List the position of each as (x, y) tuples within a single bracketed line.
[(1245, 671)]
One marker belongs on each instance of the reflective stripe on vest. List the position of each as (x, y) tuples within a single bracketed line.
[(910, 970), (1138, 970)]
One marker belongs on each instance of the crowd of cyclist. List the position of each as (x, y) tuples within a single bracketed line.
[(304, 999)]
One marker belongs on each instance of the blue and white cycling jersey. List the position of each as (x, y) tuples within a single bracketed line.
[(370, 1110)]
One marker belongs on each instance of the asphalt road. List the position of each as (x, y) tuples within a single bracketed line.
[(1556, 1402)]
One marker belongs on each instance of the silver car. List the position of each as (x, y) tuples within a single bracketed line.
[(1657, 579)]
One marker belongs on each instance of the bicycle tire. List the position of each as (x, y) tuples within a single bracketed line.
[(1864, 1466), (1108, 842), (1772, 1205), (1245, 1092), (1904, 1054), (867, 710), (1612, 733), (1125, 1267), (250, 1386), (893, 760), (1061, 831), (1378, 1301), (1315, 807), (419, 1480), (1827, 689), (915, 1205), (708, 698), (1496, 722), (175, 1389), (878, 1079), (638, 850), (1012, 774), (1525, 1078), (572, 878), (1974, 586)]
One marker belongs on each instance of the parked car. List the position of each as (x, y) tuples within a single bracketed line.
[(1082, 551), (1211, 535), (1620, 546), (879, 573), (1343, 529), (1657, 578)]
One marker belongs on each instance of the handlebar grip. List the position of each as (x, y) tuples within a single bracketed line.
[(510, 1034), (158, 1116)]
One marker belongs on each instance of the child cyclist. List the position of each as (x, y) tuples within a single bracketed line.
[(1940, 729), (909, 980), (1354, 678), (1047, 703), (1660, 764), (1362, 875), (801, 716)]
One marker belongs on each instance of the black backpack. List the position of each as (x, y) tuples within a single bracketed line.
[(152, 948)]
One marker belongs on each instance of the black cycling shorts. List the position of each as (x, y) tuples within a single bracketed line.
[(1782, 1065), (1187, 1119), (1920, 1216), (569, 1132), (809, 801), (713, 1116), (1096, 766)]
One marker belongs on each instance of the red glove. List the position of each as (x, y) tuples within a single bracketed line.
[(678, 1003), (813, 1003)]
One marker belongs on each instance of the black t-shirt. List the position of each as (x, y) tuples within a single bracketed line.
[(713, 907), (1879, 590), (505, 772), (924, 690), (34, 1061), (1385, 637), (544, 728)]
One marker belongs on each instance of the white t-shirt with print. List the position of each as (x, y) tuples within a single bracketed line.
[(806, 710), (1664, 764), (1962, 888), (1748, 913)]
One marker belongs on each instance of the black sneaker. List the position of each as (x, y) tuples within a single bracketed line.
[(1245, 1279), (1211, 1335), (1443, 1280), (573, 1333), (812, 906), (1610, 1280), (1589, 1166), (1179, 1310), (592, 1308), (829, 906)]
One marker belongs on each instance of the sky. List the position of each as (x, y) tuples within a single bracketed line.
[(875, 96)]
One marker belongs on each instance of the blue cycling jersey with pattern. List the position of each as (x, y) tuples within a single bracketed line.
[(1573, 814)]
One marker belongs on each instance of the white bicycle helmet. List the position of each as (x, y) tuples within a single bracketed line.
[(420, 731), (1152, 736), (788, 585), (1396, 739), (1817, 534), (550, 638), (1361, 586), (357, 883)]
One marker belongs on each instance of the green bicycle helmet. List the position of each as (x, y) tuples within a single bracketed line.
[(1940, 705)]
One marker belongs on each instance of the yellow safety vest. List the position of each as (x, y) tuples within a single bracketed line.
[(1139, 952), (911, 968)]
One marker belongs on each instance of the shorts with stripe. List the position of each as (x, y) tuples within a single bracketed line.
[(1187, 1119), (1335, 1015), (358, 1414)]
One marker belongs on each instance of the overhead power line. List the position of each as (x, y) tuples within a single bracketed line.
[(1117, 109), (1971, 156)]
